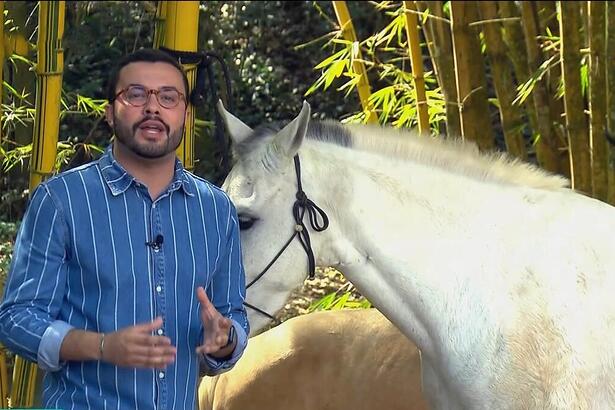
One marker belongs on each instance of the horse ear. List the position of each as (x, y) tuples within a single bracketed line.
[(235, 127), (288, 140)]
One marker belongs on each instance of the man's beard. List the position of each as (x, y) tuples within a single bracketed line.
[(126, 136)]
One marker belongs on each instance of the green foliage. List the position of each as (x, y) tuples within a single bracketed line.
[(21, 112), (346, 297), (385, 55), (270, 54), (268, 49), (337, 301), (8, 231)]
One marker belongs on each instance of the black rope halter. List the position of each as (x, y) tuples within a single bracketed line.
[(204, 70), (319, 221)]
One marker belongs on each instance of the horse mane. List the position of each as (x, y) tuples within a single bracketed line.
[(453, 154)]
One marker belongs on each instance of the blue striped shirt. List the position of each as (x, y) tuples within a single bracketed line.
[(81, 261)]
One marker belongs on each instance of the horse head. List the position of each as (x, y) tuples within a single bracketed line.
[(263, 185)]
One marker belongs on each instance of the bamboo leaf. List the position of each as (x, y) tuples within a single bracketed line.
[(329, 60)]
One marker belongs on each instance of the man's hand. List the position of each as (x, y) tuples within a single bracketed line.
[(216, 328), (135, 346)]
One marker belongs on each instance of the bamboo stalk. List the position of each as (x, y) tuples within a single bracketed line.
[(416, 59), (513, 37), (160, 23), (50, 64), (610, 96), (576, 121), (21, 76), (4, 380), (363, 87), (438, 31), (181, 28), (546, 146), (49, 69), (510, 115), (423, 10), (470, 75), (548, 22), (597, 100)]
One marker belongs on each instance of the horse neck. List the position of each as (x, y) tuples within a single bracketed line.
[(390, 222)]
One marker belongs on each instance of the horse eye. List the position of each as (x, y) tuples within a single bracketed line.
[(246, 222)]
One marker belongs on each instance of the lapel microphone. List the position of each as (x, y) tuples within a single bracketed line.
[(156, 243)]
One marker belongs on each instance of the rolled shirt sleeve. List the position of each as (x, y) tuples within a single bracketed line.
[(48, 357)]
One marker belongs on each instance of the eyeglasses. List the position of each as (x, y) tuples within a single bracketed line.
[(137, 96)]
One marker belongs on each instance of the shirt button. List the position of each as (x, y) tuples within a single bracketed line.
[(161, 375), (158, 288), (160, 331)]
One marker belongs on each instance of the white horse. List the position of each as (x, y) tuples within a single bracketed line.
[(502, 277)]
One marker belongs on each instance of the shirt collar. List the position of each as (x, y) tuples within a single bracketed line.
[(119, 180)]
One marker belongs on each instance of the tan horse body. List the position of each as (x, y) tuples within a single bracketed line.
[(348, 359)]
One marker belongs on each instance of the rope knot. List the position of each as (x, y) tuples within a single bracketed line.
[(302, 198)]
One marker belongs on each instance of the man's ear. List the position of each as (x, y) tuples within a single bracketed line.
[(109, 114)]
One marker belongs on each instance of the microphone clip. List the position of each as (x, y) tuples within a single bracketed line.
[(156, 244)]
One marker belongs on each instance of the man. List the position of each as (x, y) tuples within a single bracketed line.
[(126, 277)]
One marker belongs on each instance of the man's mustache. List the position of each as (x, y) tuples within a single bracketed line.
[(150, 118)]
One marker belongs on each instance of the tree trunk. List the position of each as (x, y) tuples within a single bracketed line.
[(510, 115), (597, 101), (610, 98), (576, 122), (438, 32), (546, 146), (470, 73)]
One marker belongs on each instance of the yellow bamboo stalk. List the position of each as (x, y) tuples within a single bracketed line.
[(4, 381), (414, 49), (345, 22), (159, 26), (181, 29), (19, 387), (48, 88), (437, 30), (44, 145)]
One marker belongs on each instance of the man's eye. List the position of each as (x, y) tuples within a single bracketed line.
[(246, 222), (136, 93), (168, 98)]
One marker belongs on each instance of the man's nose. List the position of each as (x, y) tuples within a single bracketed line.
[(151, 105)]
